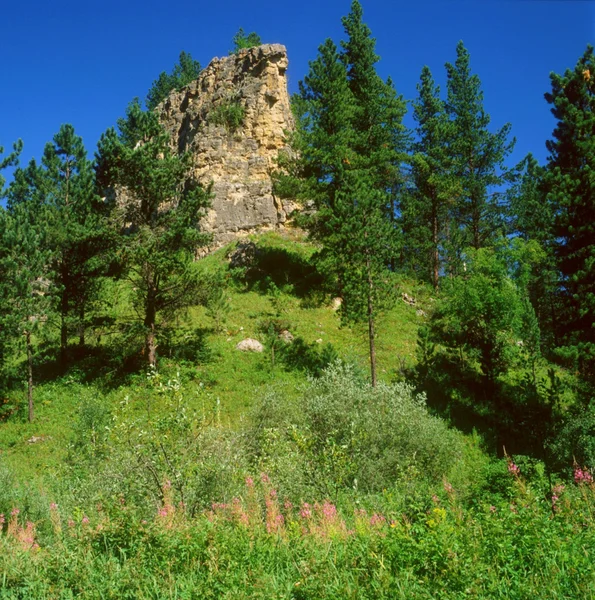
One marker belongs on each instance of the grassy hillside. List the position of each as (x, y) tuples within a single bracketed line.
[(258, 475)]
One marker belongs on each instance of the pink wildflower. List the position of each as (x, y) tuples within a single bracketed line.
[(492, 509), (329, 510), (264, 478), (513, 469), (14, 512), (53, 506), (70, 523), (435, 499), (249, 482), (376, 520), (306, 511), (582, 476), (2, 520), (448, 487), (288, 505), (85, 520)]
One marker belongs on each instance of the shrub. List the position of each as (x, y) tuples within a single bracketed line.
[(229, 114)]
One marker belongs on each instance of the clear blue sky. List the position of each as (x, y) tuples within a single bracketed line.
[(82, 62)]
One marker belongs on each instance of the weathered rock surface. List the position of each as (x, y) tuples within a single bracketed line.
[(238, 162), (250, 345)]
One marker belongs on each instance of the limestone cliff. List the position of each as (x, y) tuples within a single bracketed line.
[(237, 157)]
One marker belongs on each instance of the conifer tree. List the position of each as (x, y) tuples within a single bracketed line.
[(78, 235), (25, 263), (349, 147), (184, 72), (426, 209), (570, 186), (159, 218), (478, 158)]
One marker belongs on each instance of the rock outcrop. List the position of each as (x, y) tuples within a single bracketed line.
[(233, 120)]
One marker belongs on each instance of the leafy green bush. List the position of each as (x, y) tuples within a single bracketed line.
[(229, 114), (243, 40), (345, 434)]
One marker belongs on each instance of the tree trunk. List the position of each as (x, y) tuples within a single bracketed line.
[(150, 340), (82, 327), (371, 332), (30, 375), (63, 327), (435, 253)]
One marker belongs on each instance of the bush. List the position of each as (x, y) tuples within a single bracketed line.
[(229, 114), (345, 434)]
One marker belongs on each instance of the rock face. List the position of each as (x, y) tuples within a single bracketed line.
[(236, 157)]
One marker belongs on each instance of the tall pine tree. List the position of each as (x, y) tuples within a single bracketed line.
[(478, 159), (570, 186), (158, 219), (78, 235), (427, 207), (349, 143)]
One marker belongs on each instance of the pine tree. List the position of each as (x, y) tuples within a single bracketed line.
[(426, 209), (570, 186), (242, 40), (78, 233), (159, 218), (348, 144), (478, 156), (25, 289), (184, 72), (9, 161)]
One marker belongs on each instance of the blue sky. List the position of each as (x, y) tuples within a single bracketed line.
[(82, 62)]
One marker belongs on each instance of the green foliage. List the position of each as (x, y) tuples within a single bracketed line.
[(570, 190), (229, 114), (348, 148), (477, 156), (184, 72), (160, 222), (348, 435), (9, 161), (242, 40), (481, 313)]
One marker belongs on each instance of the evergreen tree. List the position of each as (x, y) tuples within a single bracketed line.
[(159, 218), (570, 186), (243, 40), (184, 72), (381, 141), (532, 219), (478, 159), (348, 146), (426, 209), (25, 289), (9, 161), (78, 235)]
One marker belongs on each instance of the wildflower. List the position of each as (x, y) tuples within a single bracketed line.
[(264, 478), (492, 509), (2, 520), (377, 520), (513, 469), (288, 505), (329, 510), (85, 520), (448, 487), (14, 512), (53, 506), (306, 511), (249, 482), (70, 523), (582, 476), (435, 499)]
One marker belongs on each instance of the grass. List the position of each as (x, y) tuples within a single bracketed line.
[(226, 378)]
